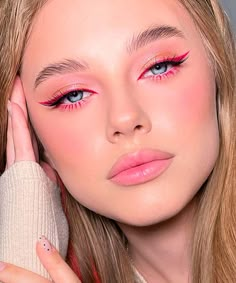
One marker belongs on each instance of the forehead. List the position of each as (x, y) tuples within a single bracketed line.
[(82, 17), (115, 12), (82, 26)]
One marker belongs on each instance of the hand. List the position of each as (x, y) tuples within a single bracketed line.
[(21, 142), (59, 271)]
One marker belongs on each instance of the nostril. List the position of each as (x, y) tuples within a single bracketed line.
[(128, 131), (138, 127), (117, 134)]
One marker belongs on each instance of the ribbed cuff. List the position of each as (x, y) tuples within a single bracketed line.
[(30, 207)]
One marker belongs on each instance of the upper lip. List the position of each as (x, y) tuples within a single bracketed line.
[(137, 158)]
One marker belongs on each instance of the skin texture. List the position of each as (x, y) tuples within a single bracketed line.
[(176, 114)]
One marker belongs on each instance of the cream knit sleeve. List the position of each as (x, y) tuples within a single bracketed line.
[(30, 206)]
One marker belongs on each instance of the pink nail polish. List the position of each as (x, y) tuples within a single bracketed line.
[(2, 266), (45, 244)]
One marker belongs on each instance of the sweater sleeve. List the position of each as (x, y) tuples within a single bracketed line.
[(30, 206)]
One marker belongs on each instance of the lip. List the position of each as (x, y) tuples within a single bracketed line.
[(139, 167)]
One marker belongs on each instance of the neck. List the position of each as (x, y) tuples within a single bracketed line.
[(162, 252)]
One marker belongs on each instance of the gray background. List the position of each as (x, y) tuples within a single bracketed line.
[(230, 7)]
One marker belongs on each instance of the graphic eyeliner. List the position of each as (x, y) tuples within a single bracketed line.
[(175, 62)]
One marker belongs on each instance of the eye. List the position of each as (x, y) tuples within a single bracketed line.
[(164, 68), (159, 69), (69, 98), (74, 96)]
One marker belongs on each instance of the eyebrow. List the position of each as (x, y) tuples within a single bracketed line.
[(59, 68), (152, 34), (137, 41)]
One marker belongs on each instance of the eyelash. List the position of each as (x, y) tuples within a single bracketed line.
[(56, 101), (174, 62)]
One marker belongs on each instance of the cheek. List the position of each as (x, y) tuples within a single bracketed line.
[(195, 107), (69, 143), (188, 109), (185, 119)]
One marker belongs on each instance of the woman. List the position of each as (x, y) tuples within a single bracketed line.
[(152, 95)]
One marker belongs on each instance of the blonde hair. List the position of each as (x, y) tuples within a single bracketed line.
[(97, 245), (214, 243)]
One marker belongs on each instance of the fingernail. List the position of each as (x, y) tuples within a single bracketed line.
[(45, 244), (9, 107), (2, 266)]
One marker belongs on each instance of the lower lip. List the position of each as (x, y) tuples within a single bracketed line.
[(142, 173)]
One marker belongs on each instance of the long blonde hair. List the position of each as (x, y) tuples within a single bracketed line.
[(97, 245)]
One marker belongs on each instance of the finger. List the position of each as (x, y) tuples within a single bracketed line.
[(12, 274), (58, 269), (18, 96), (21, 135), (10, 151)]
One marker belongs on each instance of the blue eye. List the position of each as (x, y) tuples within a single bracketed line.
[(69, 98), (164, 68), (159, 69), (74, 96)]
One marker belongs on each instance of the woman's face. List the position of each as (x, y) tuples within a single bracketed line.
[(128, 82)]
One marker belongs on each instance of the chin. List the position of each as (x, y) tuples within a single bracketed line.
[(150, 216)]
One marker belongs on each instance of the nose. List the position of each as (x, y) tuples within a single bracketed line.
[(126, 118)]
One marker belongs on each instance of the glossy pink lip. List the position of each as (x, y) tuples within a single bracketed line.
[(139, 167)]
